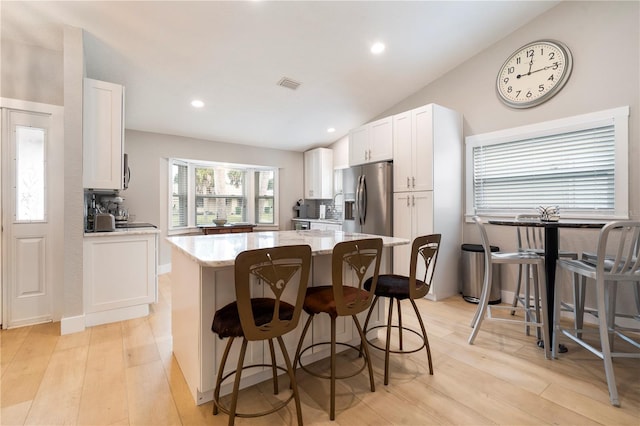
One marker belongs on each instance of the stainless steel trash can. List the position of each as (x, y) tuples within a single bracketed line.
[(473, 274)]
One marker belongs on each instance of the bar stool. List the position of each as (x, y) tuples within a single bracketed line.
[(351, 263), (531, 239), (281, 271), (398, 288), (522, 257), (616, 262)]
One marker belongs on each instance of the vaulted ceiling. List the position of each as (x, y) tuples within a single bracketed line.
[(231, 55)]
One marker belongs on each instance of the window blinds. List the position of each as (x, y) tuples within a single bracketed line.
[(179, 194), (574, 170)]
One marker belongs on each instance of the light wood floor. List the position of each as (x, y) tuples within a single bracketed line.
[(125, 374)]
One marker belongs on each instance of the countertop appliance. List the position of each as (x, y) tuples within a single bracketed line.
[(368, 199)]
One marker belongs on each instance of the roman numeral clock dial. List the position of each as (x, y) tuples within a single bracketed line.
[(534, 73)]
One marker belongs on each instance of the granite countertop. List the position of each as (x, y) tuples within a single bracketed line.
[(221, 250), (119, 232)]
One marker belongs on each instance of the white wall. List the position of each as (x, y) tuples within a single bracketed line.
[(604, 38), (148, 154)]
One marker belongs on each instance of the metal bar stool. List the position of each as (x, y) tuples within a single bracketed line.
[(617, 261), (360, 259), (532, 318), (531, 239), (398, 288), (282, 271)]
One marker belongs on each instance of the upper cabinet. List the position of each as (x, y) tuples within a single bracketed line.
[(103, 135), (372, 142), (318, 174), (416, 134)]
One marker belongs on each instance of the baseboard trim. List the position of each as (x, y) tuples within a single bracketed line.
[(164, 269), (70, 325), (115, 315)]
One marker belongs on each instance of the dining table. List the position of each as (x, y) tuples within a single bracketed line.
[(551, 243)]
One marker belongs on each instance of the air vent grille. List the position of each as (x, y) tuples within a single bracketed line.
[(288, 83)]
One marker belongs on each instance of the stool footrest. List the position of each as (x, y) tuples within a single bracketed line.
[(400, 351), (322, 376), (225, 410)]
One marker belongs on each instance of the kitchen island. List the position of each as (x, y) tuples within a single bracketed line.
[(202, 281)]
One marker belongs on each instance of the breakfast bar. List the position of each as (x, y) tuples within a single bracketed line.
[(202, 281)]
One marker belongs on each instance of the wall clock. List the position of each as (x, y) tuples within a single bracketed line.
[(534, 73)]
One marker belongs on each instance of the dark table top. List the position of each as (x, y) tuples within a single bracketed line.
[(562, 223)]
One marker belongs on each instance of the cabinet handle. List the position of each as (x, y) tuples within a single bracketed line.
[(407, 201), (407, 181), (413, 200), (413, 181)]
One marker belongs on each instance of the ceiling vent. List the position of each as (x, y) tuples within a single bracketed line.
[(288, 83)]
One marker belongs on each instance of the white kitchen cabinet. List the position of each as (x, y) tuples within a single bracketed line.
[(318, 174), (412, 217), (418, 136), (322, 226), (102, 135), (119, 276), (427, 166), (372, 142)]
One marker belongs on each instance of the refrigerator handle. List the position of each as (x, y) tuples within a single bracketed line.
[(359, 199), (363, 200)]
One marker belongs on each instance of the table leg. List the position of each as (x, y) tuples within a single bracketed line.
[(550, 259)]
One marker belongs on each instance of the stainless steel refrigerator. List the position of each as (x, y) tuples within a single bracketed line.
[(368, 199)]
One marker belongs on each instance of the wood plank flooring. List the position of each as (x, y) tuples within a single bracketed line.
[(125, 374)]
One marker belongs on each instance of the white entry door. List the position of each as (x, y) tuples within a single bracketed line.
[(32, 225)]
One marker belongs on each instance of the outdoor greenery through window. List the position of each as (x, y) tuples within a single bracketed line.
[(578, 163), (203, 192)]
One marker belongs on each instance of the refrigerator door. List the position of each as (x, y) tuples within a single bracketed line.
[(377, 199), (350, 180)]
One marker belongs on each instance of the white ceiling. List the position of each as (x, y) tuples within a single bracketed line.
[(231, 55)]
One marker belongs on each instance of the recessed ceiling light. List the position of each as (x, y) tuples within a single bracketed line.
[(331, 130), (196, 103), (377, 48)]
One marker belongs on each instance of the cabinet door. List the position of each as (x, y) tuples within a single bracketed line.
[(311, 174), (119, 271), (381, 140), (412, 217), (422, 213), (402, 229), (358, 145), (422, 150), (318, 174), (102, 134), (403, 160), (317, 226)]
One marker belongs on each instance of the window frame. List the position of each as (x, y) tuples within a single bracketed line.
[(251, 195), (618, 117)]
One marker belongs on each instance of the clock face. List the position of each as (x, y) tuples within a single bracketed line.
[(534, 73)]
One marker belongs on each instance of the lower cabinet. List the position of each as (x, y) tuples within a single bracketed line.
[(120, 277), (412, 217), (325, 226)]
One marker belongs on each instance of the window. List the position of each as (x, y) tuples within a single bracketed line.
[(30, 174), (220, 194), (203, 192), (265, 196), (179, 194), (578, 163)]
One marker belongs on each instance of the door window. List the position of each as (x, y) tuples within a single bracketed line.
[(30, 174)]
